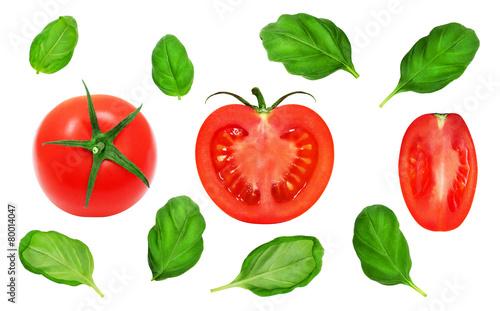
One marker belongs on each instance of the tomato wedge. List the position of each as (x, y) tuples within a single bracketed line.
[(264, 165), (438, 171)]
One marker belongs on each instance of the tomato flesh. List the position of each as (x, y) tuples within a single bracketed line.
[(438, 171), (264, 167), (288, 162)]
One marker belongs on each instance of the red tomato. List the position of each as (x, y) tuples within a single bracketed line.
[(438, 171), (266, 167), (63, 172)]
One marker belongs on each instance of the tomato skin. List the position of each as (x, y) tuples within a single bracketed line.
[(63, 171), (438, 171), (261, 125)]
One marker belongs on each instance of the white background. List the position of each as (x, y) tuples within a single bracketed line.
[(457, 269)]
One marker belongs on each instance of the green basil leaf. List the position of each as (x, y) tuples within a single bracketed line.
[(382, 247), (279, 266), (308, 46), (175, 242), (173, 71), (52, 49), (436, 60), (58, 258)]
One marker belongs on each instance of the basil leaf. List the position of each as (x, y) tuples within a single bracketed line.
[(308, 46), (173, 71), (52, 49), (436, 60), (279, 266), (382, 247), (58, 258), (175, 243)]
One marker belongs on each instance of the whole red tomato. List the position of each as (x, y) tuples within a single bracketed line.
[(63, 171), (438, 170), (264, 165)]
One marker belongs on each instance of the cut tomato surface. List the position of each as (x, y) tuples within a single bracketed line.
[(264, 167), (438, 171)]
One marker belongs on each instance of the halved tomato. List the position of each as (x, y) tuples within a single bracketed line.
[(264, 165), (438, 171)]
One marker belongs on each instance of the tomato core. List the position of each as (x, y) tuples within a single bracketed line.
[(430, 178)]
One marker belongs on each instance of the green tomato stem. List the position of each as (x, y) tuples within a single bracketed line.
[(261, 108), (98, 148), (260, 98), (284, 97), (441, 119)]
